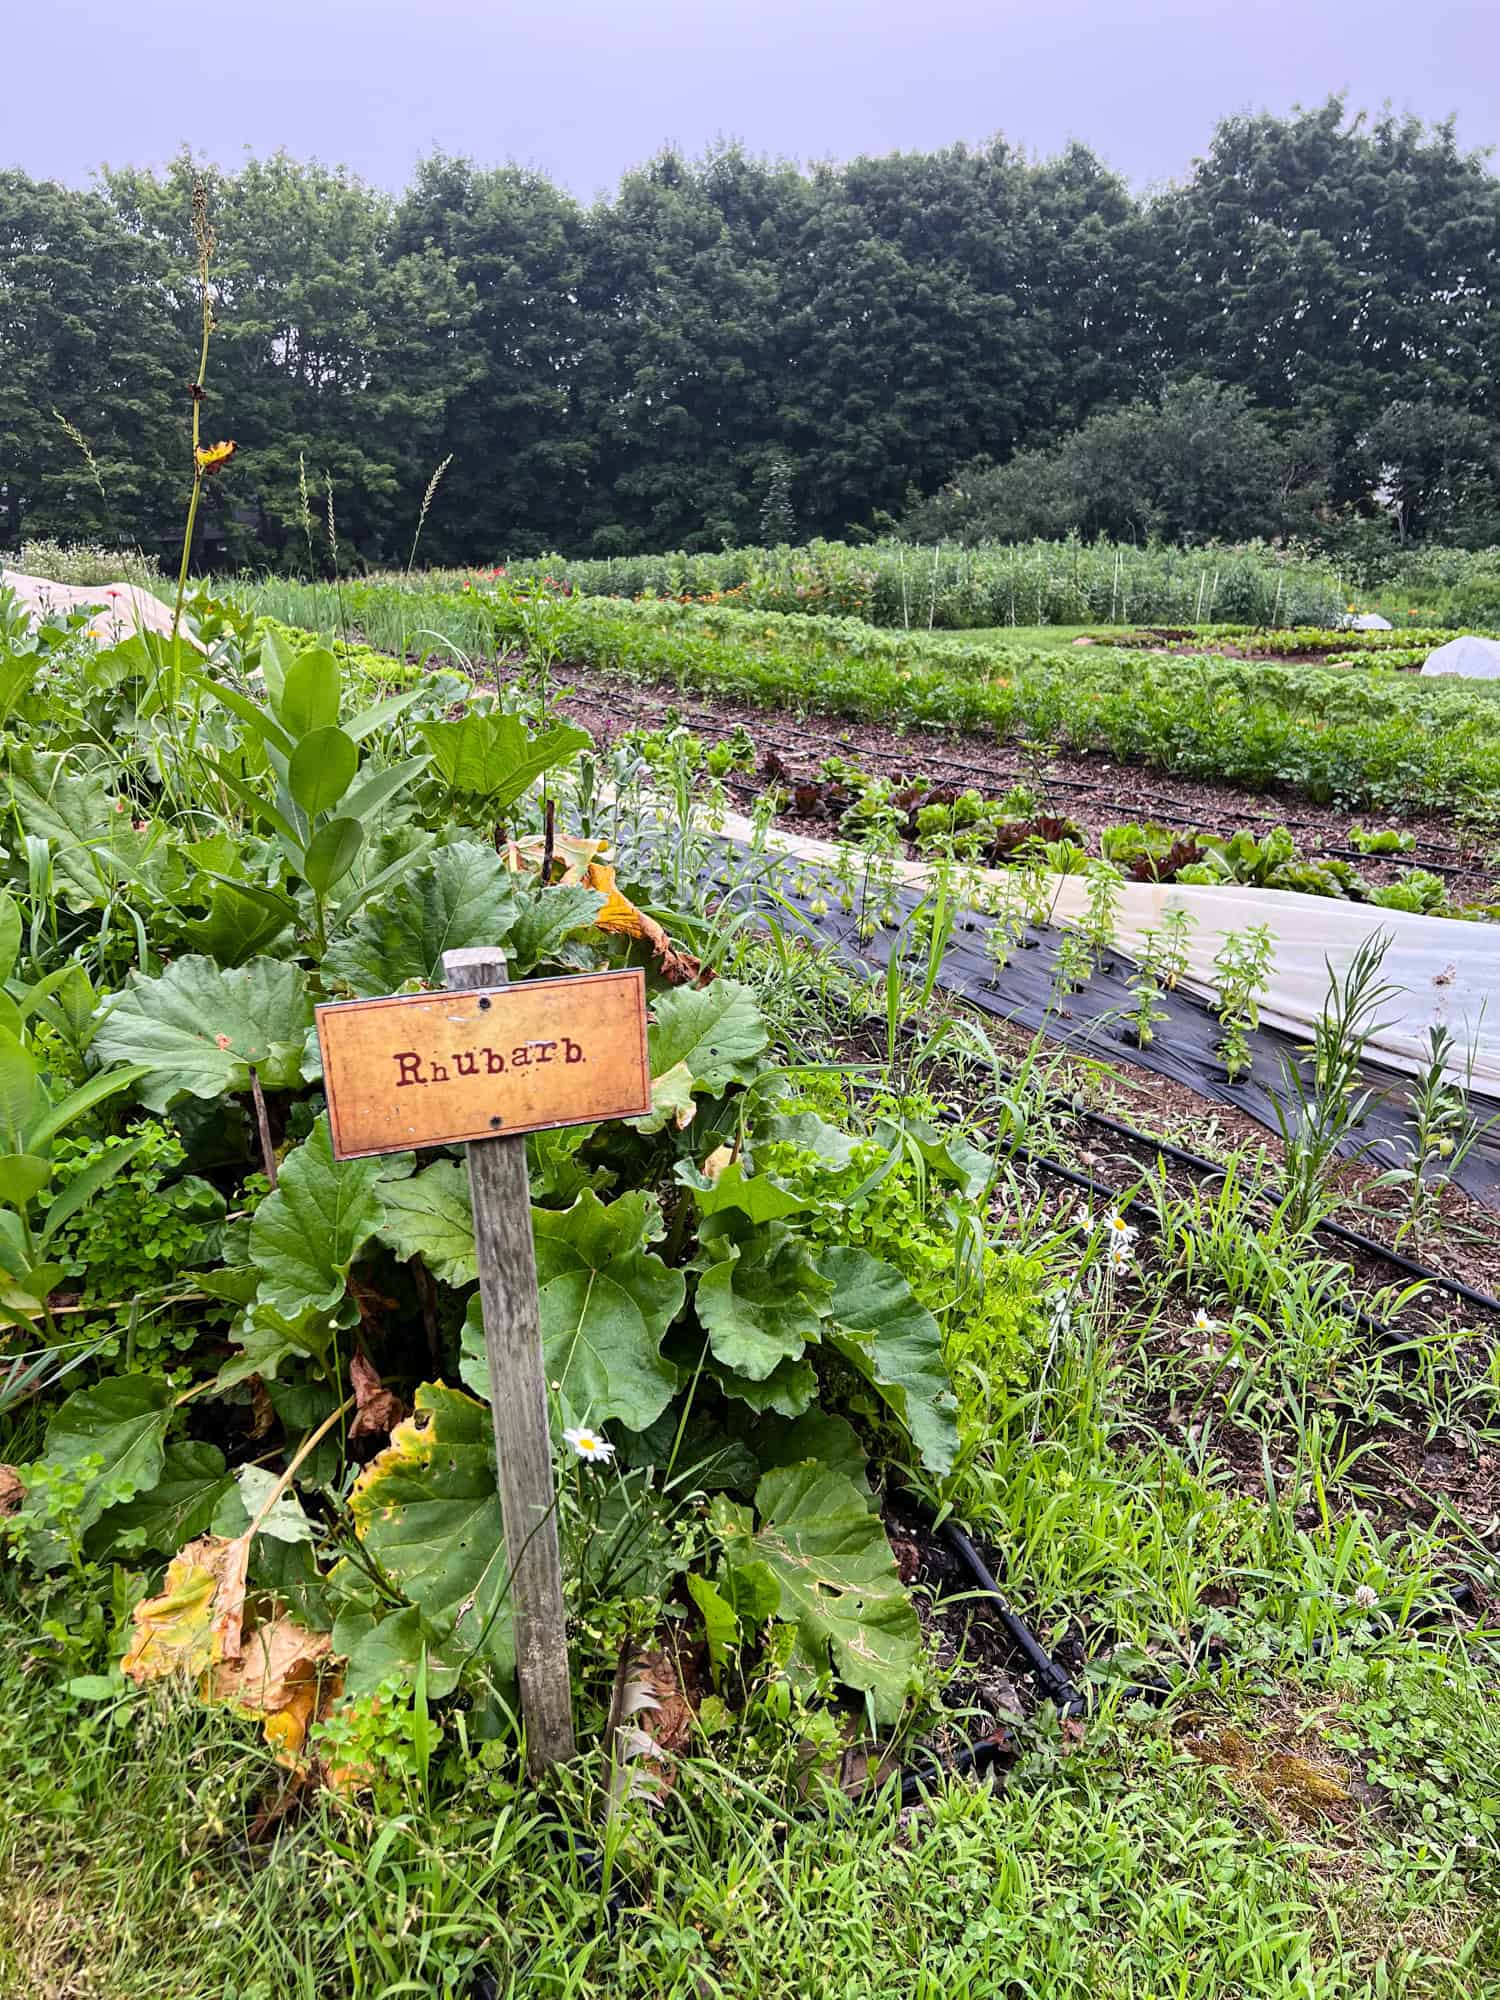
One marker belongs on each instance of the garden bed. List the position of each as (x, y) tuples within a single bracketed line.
[(1092, 789)]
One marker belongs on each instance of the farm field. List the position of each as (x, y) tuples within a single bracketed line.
[(904, 1313), (1018, 588)]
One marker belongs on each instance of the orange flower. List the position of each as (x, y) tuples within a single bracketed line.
[(214, 457)]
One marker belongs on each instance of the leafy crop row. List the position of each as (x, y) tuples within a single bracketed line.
[(1357, 741)]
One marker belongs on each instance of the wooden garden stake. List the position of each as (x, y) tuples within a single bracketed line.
[(481, 1064), (503, 1242)]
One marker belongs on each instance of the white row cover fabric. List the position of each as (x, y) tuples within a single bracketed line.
[(1445, 970), (123, 608), (1365, 621), (1473, 658)]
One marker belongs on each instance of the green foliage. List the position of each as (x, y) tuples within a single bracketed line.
[(110, 1439), (198, 1029), (461, 895), (490, 757), (430, 1216), (34, 1112), (881, 1330), (321, 817), (1198, 463), (1242, 971), (1381, 840), (1416, 889), (1357, 741), (179, 1506), (305, 1235), (487, 322), (761, 1299), (545, 921), (85, 562), (141, 1229), (681, 1292), (606, 1303), (700, 1040), (827, 1552)]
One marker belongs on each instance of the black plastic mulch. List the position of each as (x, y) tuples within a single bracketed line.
[(1095, 1021)]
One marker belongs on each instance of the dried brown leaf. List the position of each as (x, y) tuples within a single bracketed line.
[(262, 1409), (377, 1410), (280, 1680), (620, 916), (650, 1719)]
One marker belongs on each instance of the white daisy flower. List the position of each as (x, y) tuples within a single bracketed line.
[(589, 1445), (1203, 1324), (1121, 1256), (1119, 1230)]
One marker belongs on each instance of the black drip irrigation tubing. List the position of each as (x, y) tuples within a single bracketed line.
[(1353, 1239), (968, 1760), (1328, 1227), (1099, 1191), (1133, 1205), (1340, 1232), (1052, 1679)]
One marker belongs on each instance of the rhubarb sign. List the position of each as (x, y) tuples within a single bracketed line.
[(441, 1069)]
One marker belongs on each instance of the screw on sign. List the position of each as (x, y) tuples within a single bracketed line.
[(479, 1065)]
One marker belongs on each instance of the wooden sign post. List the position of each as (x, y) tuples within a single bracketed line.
[(482, 1064)]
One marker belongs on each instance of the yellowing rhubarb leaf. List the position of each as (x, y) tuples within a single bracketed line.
[(276, 1674), (572, 857), (578, 862), (620, 915), (196, 1622)]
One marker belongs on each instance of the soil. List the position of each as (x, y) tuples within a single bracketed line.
[(1094, 790), (1405, 1478), (1406, 1475), (989, 1690), (1461, 1240)]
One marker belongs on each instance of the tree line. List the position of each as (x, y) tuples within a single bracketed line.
[(1300, 338)]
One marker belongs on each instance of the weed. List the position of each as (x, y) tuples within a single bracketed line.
[(1321, 1116)]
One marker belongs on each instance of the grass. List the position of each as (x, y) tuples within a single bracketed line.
[(1043, 637), (1310, 1814), (1144, 1860)]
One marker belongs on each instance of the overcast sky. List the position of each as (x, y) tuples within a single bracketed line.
[(586, 88)]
